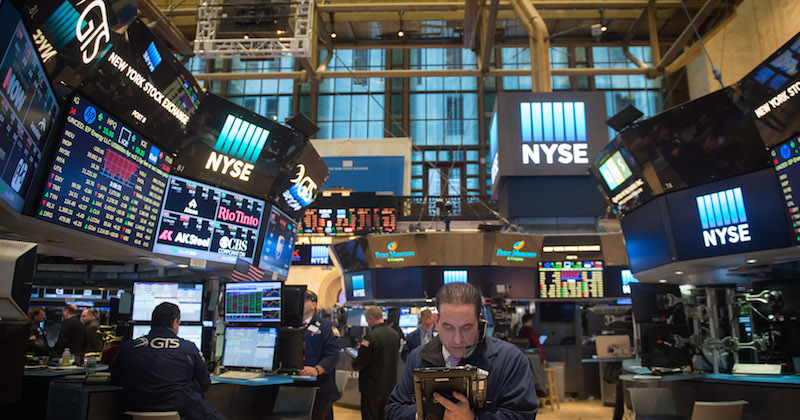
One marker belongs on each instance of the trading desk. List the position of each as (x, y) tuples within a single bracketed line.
[(768, 397)]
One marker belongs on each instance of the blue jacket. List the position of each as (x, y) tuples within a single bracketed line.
[(510, 392), (321, 346), (161, 372), (413, 340)]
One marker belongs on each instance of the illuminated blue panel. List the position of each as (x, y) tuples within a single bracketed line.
[(228, 140), (701, 208), (538, 125), (709, 211), (732, 206), (717, 211), (569, 121), (558, 120), (358, 281), (525, 121), (251, 146), (247, 139), (261, 142), (723, 204), (580, 121), (737, 193), (225, 132), (547, 120), (237, 141)]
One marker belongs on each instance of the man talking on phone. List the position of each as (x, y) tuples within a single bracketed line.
[(462, 341)]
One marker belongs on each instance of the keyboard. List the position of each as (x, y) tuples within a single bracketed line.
[(238, 374)]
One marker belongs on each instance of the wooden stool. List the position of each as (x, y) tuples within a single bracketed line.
[(552, 390)]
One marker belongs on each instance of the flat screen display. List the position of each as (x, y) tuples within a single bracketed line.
[(311, 255), (236, 149), (27, 108), (348, 221), (615, 171), (358, 285), (646, 237), (188, 297), (786, 158), (350, 254), (141, 81), (193, 333), (206, 222), (106, 180), (253, 302), (279, 236), (731, 216), (249, 347), (571, 279), (356, 318), (409, 320), (67, 293), (455, 276)]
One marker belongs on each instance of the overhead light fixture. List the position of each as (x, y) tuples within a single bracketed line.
[(678, 273), (333, 26), (752, 261), (183, 265), (246, 36), (400, 33), (280, 32), (662, 280)]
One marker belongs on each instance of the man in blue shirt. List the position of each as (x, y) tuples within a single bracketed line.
[(162, 372), (321, 345), (462, 341), (421, 335)]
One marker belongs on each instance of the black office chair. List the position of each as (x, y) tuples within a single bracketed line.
[(293, 403)]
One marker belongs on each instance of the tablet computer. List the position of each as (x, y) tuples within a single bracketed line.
[(445, 381), (351, 352)]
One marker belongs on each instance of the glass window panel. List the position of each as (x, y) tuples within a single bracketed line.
[(416, 156), (360, 110), (430, 156), (325, 108), (444, 155), (417, 106), (416, 184), (454, 182), (417, 132), (341, 130), (473, 184), (434, 133), (341, 109), (376, 130), (358, 130), (473, 169), (416, 170), (325, 130), (458, 155), (434, 182), (472, 155)]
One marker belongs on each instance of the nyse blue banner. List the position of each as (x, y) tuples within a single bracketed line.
[(731, 216), (366, 174)]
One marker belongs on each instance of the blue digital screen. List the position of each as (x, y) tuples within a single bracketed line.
[(735, 215), (553, 121), (358, 285), (455, 276), (279, 236), (786, 158)]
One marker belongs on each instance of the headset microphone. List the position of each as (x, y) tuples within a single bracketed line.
[(482, 325)]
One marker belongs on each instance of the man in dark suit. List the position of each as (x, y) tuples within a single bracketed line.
[(72, 335), (376, 365), (421, 336), (321, 348)]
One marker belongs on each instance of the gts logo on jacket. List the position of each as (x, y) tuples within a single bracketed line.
[(158, 343)]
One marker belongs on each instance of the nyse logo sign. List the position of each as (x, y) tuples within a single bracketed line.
[(553, 133), (723, 218), (358, 286), (238, 141)]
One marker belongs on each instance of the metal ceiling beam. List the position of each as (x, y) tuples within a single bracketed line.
[(636, 23), (488, 37), (458, 16), (696, 49), (472, 13), (165, 28), (430, 6), (687, 33), (402, 73), (652, 28)]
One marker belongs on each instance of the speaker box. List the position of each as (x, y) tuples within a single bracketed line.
[(292, 303)]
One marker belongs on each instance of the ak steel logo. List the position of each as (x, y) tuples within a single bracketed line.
[(516, 253), (393, 255), (723, 218), (238, 141), (553, 133), (358, 286)]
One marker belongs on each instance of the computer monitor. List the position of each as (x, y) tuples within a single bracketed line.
[(17, 265), (289, 350), (409, 320), (356, 318), (188, 297), (193, 333), (250, 347), (253, 302)]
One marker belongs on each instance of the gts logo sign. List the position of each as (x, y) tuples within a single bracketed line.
[(158, 343)]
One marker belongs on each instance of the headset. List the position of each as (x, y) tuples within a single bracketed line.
[(482, 327)]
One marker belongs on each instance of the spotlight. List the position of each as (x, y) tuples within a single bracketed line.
[(752, 261), (662, 280), (246, 36), (280, 32), (333, 35), (333, 26), (400, 33), (603, 28)]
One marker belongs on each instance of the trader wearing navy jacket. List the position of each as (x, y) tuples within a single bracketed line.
[(321, 345), (462, 341), (422, 335), (162, 372)]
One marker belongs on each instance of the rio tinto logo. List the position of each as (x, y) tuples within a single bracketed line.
[(723, 218), (91, 30)]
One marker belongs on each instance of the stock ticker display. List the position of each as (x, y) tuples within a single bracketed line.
[(206, 222), (786, 158), (253, 302), (348, 221), (571, 280), (27, 109), (106, 180)]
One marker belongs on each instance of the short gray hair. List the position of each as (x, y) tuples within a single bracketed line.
[(460, 294)]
